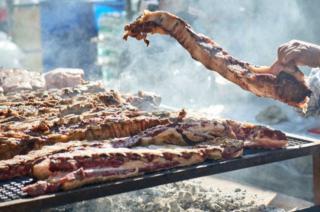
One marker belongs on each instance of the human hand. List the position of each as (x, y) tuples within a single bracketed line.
[(299, 53)]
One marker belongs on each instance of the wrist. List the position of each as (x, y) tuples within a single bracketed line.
[(316, 55)]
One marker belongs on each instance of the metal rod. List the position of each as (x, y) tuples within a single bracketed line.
[(316, 177)]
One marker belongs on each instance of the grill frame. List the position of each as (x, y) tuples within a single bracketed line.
[(298, 146)]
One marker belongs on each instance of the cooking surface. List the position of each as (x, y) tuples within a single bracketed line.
[(11, 196)]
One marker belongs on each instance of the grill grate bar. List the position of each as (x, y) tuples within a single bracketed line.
[(11, 190)]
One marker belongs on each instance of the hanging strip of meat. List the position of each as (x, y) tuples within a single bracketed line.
[(287, 85)]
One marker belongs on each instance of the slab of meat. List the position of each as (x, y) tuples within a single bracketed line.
[(192, 132), (230, 135), (152, 129), (21, 165), (13, 143), (180, 134), (288, 85), (31, 120), (58, 104), (72, 170)]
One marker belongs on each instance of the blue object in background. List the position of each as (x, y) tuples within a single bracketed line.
[(67, 28), (107, 7)]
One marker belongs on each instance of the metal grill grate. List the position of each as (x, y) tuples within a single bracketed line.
[(296, 142), (10, 190)]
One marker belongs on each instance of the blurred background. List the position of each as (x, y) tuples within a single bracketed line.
[(43, 35)]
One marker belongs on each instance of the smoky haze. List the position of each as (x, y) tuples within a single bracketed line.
[(250, 30)]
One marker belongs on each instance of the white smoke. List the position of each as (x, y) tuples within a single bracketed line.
[(250, 30), (11, 54)]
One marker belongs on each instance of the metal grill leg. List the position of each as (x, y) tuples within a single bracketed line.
[(316, 178)]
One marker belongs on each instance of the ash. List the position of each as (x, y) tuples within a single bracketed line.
[(176, 197)]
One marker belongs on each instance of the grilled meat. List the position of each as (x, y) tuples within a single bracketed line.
[(21, 165), (140, 130), (192, 132), (287, 85), (90, 129), (73, 137), (29, 121), (74, 169)]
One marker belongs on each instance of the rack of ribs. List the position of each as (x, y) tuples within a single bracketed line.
[(31, 120), (97, 128), (69, 138), (190, 132), (287, 85), (230, 135), (70, 170), (21, 165)]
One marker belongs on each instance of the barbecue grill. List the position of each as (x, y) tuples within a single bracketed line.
[(13, 199)]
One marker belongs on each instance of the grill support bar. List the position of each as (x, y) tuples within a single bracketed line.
[(316, 177)]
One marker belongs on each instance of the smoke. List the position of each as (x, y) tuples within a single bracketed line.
[(250, 30), (11, 54), (66, 41)]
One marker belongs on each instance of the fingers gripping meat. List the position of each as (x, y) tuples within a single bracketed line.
[(287, 85)]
